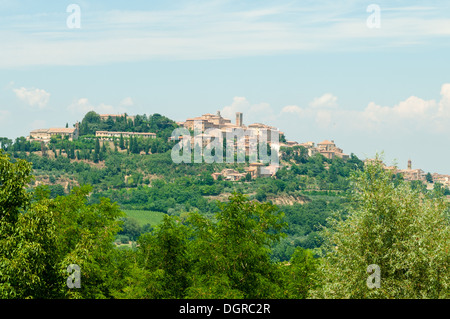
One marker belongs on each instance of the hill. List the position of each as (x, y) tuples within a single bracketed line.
[(139, 174)]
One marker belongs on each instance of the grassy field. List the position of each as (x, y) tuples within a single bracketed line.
[(145, 216)]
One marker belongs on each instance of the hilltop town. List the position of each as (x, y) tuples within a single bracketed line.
[(327, 148)]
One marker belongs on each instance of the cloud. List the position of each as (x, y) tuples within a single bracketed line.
[(292, 109), (128, 101), (82, 106), (444, 103), (206, 30), (326, 100), (259, 112), (33, 97), (239, 104), (412, 114)]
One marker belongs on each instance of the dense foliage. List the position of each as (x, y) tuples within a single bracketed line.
[(401, 230), (198, 257)]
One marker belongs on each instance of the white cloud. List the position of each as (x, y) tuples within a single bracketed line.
[(292, 109), (82, 106), (33, 97), (444, 103), (326, 100), (239, 104), (205, 30), (128, 101), (260, 112), (413, 114)]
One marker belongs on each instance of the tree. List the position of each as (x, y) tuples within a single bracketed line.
[(403, 231), (96, 150), (429, 177), (162, 266), (131, 146), (121, 143), (27, 236), (130, 228), (5, 142), (72, 152), (90, 123), (301, 274), (232, 256), (40, 237)]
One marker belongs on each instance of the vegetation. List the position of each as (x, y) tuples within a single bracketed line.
[(403, 231), (310, 231), (40, 237)]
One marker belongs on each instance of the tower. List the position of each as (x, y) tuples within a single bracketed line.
[(238, 119), (409, 164), (76, 133)]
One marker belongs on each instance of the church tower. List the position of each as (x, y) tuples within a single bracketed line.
[(239, 119)]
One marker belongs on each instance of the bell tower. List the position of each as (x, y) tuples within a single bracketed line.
[(238, 119)]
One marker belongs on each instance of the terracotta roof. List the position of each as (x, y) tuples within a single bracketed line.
[(326, 142), (256, 164), (112, 115), (60, 130)]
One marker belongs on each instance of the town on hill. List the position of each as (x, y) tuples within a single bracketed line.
[(108, 123)]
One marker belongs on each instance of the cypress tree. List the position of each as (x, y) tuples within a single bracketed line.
[(121, 143)]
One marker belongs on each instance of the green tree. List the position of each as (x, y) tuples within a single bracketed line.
[(96, 151), (301, 274), (90, 123), (232, 256), (27, 236), (85, 235), (121, 142), (130, 228), (401, 230), (40, 237), (161, 268)]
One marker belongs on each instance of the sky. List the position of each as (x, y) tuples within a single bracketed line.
[(373, 76)]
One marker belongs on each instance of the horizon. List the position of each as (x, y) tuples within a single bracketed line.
[(317, 70)]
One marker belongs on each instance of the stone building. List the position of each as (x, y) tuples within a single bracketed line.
[(45, 135), (330, 151)]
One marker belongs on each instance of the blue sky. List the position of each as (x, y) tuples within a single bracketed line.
[(315, 69)]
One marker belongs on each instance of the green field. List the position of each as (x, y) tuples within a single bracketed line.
[(145, 216)]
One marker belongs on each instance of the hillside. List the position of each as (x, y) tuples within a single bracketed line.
[(139, 174)]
